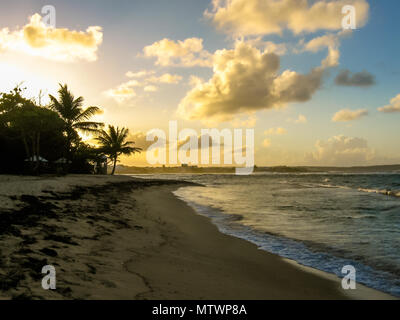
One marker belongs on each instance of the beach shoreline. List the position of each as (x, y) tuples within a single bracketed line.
[(126, 238)]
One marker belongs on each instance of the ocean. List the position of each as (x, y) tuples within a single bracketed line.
[(324, 221)]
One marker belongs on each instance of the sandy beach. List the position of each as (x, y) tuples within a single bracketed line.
[(125, 238)]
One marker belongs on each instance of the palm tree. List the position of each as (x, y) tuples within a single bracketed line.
[(113, 143), (73, 114)]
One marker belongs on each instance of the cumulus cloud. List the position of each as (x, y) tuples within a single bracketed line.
[(261, 17), (195, 80), (150, 88), (394, 105), (359, 79), (126, 91), (349, 115), (246, 80), (268, 46), (186, 53), (123, 92), (330, 41), (59, 44), (341, 151), (278, 48)]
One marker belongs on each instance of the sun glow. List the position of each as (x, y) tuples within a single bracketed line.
[(34, 83)]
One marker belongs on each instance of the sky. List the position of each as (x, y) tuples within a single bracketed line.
[(314, 93)]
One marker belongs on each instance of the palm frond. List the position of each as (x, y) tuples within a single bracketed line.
[(113, 142), (88, 127), (87, 114)]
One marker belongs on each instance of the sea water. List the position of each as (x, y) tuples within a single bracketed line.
[(324, 221)]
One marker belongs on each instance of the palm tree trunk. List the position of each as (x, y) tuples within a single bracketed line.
[(37, 151), (115, 164)]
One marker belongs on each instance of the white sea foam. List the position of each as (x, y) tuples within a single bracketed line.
[(393, 193)]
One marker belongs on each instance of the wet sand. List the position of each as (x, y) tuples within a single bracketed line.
[(124, 238)]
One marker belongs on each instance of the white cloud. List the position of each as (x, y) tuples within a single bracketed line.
[(329, 41), (394, 105), (187, 53), (261, 17), (121, 93), (246, 80), (150, 88), (268, 46), (342, 151), (58, 44), (126, 91), (345, 115), (195, 80)]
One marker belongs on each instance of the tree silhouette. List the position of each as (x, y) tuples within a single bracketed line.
[(113, 143), (75, 117), (22, 119), (33, 123)]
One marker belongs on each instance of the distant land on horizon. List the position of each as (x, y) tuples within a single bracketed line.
[(122, 169)]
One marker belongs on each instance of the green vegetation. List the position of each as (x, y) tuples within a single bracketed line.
[(36, 139)]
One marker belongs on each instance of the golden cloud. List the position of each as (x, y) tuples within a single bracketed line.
[(394, 105), (342, 151), (150, 88), (58, 44), (246, 80), (260, 17), (121, 93), (126, 91), (330, 41), (187, 53), (349, 115)]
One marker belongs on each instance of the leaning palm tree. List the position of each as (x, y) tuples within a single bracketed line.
[(75, 117), (113, 143)]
